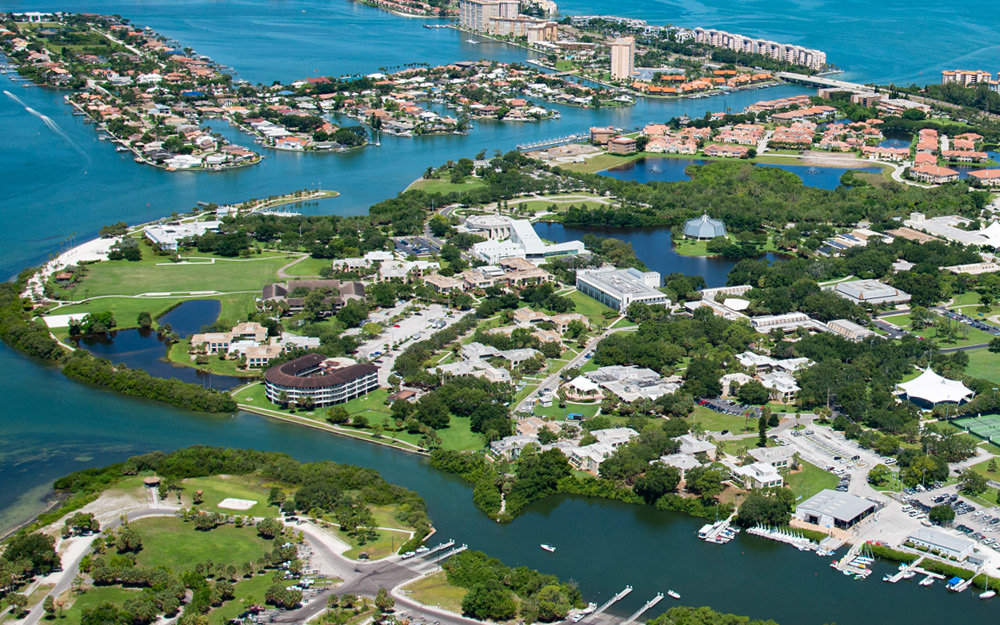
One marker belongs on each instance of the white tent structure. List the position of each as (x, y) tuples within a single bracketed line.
[(584, 385), (991, 234), (934, 389)]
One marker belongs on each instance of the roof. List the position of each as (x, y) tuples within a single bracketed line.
[(933, 388), (704, 227), (290, 373), (941, 539), (839, 505)]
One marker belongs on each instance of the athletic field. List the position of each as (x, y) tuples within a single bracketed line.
[(985, 427)]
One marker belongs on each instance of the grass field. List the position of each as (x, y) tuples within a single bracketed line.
[(122, 277), (983, 364), (219, 487), (126, 309), (179, 353), (434, 590), (444, 186), (713, 421), (93, 597), (308, 267), (387, 543), (172, 543), (246, 592), (556, 413), (457, 436), (967, 335), (589, 307), (810, 480)]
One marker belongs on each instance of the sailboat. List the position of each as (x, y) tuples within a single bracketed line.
[(989, 593)]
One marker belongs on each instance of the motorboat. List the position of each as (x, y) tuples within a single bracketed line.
[(548, 548), (674, 594)]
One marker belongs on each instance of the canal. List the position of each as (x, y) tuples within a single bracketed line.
[(61, 185)]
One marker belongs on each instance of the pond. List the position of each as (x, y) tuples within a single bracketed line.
[(660, 169), (654, 247), (144, 349)]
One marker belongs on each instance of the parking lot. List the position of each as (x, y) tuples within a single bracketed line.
[(401, 333), (415, 246), (975, 521), (979, 324)]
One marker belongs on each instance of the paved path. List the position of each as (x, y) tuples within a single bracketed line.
[(551, 379), (282, 273)]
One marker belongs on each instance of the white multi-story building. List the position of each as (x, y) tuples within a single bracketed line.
[(813, 59), (618, 288), (622, 58)]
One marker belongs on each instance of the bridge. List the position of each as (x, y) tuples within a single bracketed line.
[(551, 143), (821, 81)]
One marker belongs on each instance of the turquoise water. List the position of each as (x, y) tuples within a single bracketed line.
[(60, 184), (899, 41)]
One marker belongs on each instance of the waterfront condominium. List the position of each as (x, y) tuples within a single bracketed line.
[(477, 14), (622, 58), (813, 59)]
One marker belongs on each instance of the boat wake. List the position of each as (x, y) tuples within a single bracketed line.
[(48, 121)]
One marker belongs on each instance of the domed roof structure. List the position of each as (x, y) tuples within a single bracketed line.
[(704, 227)]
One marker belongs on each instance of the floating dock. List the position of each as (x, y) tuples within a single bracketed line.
[(645, 608), (607, 604)]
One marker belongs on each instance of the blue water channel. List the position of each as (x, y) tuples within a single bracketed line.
[(60, 185)]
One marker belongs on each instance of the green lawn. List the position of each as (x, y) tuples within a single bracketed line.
[(308, 267), (535, 206), (810, 480), (246, 592), (126, 309), (219, 487), (457, 436), (434, 590), (170, 542), (589, 307), (967, 335), (93, 597), (554, 412), (687, 247), (444, 186), (179, 354), (387, 543), (713, 421), (122, 277), (983, 364)]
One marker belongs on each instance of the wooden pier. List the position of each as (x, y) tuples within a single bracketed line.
[(645, 608)]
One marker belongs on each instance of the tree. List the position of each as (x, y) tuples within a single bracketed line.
[(432, 411), (128, 541), (145, 320), (992, 466), (269, 527), (762, 432), (275, 497), (352, 313), (658, 480), (384, 601), (880, 475), (49, 605), (753, 393), (941, 515), (18, 601), (489, 601), (37, 549), (972, 483), (337, 415)]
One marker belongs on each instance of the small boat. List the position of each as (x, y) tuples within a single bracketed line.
[(471, 41), (674, 594), (989, 594), (909, 574), (927, 581), (548, 548)]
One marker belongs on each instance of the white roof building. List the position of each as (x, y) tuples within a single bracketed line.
[(692, 446), (931, 388), (831, 508), (167, 236), (948, 544), (758, 475)]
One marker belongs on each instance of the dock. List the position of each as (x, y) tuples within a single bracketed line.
[(607, 604), (434, 550), (645, 608), (719, 532), (551, 143), (447, 554)]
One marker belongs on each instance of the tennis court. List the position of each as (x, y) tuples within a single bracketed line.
[(985, 427)]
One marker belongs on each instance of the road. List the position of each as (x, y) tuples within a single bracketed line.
[(80, 549), (551, 379)]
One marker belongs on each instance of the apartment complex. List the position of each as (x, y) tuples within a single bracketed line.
[(503, 18), (970, 78), (622, 58), (813, 59)]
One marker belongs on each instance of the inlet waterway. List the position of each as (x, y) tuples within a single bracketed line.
[(60, 184)]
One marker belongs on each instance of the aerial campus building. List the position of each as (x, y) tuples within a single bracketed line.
[(870, 292), (326, 380), (704, 228), (930, 388), (524, 242), (830, 508), (618, 288)]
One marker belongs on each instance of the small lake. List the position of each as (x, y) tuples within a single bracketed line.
[(659, 169), (144, 349), (653, 247)]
